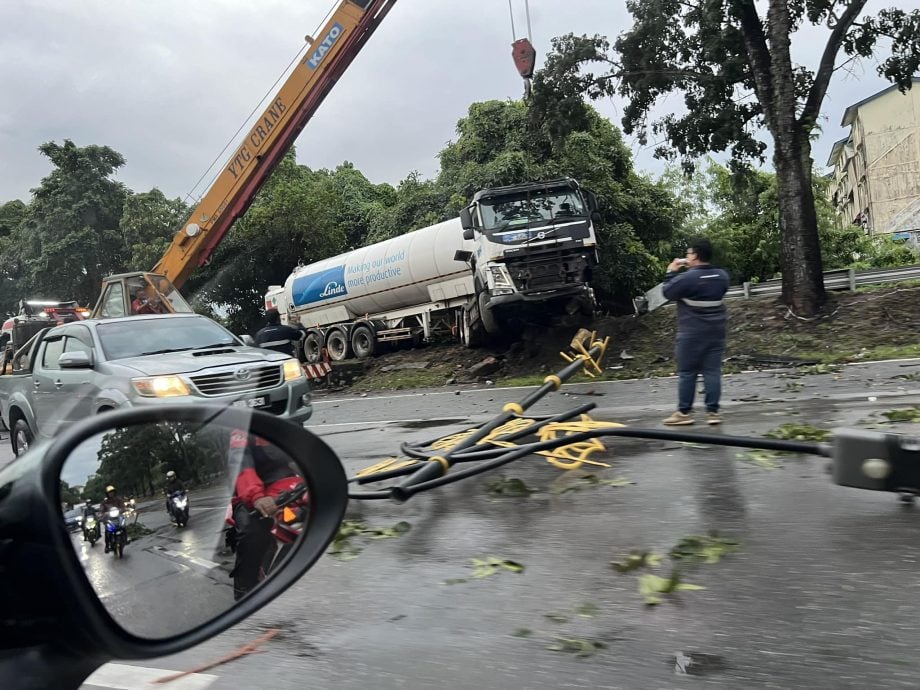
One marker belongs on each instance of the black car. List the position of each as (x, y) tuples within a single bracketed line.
[(73, 520)]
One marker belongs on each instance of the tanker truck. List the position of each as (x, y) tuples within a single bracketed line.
[(517, 254)]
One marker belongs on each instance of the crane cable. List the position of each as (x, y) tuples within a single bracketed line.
[(527, 15), (259, 104)]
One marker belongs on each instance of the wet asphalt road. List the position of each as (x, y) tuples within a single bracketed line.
[(823, 591), (167, 566)]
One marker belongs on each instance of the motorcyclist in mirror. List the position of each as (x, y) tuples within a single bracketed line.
[(111, 500), (89, 511), (278, 337), (262, 472), (172, 486)]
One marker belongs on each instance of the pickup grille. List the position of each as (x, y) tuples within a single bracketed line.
[(229, 383)]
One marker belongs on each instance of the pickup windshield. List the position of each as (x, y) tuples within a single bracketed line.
[(520, 210), (139, 337)]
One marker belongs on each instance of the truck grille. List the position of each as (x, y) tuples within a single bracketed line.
[(231, 382)]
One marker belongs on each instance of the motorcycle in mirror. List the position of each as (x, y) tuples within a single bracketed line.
[(178, 507), (252, 508)]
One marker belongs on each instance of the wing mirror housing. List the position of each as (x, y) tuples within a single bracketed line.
[(75, 360), (63, 620), (248, 340), (466, 220)]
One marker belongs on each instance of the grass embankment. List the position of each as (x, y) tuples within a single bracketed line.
[(869, 324)]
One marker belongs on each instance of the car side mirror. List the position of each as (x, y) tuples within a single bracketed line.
[(248, 340), (149, 596), (75, 360), (463, 255), (596, 217), (468, 234)]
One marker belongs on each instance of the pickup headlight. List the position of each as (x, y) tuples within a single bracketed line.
[(501, 280), (292, 370), (160, 386)]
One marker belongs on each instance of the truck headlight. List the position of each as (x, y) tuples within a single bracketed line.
[(292, 370), (501, 280), (160, 386)]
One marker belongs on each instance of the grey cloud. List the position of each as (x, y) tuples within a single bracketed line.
[(167, 83)]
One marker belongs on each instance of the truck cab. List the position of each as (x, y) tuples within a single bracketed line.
[(137, 294), (535, 249)]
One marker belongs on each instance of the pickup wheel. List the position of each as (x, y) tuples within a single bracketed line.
[(363, 341), (337, 345), (21, 437), (313, 346)]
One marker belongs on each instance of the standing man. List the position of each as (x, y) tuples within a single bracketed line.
[(276, 336), (701, 317)]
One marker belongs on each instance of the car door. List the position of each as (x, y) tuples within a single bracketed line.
[(47, 403), (79, 387)]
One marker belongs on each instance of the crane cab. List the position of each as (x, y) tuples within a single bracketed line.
[(136, 294)]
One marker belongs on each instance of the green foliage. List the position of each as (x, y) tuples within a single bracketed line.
[(135, 459), (735, 72), (69, 495), (799, 432), (292, 220), (739, 212), (148, 222)]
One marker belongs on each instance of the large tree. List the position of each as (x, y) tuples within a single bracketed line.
[(732, 61), (68, 239)]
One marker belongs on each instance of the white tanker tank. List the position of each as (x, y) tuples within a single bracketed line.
[(463, 276)]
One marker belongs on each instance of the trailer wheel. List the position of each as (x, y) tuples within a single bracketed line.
[(313, 346), (337, 345), (363, 341)]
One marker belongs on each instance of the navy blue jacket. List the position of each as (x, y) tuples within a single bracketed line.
[(280, 338), (698, 292)]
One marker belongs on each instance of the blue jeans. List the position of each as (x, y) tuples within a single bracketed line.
[(699, 354)]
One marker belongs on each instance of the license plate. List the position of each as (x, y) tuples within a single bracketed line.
[(261, 401)]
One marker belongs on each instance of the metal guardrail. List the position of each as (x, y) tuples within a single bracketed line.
[(841, 279)]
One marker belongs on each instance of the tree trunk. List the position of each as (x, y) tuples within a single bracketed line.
[(803, 279), (803, 271)]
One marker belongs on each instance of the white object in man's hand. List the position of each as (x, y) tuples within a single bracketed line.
[(676, 265)]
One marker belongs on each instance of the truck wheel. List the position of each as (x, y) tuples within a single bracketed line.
[(471, 334), (313, 346), (21, 437), (363, 342), (486, 317), (337, 345)]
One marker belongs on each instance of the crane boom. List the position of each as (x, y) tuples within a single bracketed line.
[(273, 134), (341, 39)]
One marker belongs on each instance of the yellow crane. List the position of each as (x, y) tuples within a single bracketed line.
[(328, 56)]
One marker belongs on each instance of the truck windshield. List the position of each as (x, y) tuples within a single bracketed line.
[(519, 210), (139, 337)]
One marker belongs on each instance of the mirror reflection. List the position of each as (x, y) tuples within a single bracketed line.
[(193, 514)]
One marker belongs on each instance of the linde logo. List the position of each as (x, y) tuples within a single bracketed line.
[(333, 289), (325, 46)]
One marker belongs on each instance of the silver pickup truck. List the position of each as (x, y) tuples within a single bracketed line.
[(69, 372)]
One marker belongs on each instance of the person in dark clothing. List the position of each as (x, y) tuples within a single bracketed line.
[(262, 472), (278, 337), (111, 500), (172, 486), (701, 319)]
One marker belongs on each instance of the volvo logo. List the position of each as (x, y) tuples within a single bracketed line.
[(243, 374)]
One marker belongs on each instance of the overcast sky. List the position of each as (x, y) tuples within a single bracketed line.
[(167, 82)]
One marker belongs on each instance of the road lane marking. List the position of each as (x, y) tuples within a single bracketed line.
[(126, 677), (202, 562), (452, 422)]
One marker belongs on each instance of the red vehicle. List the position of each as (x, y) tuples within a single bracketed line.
[(35, 316), (293, 510)]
